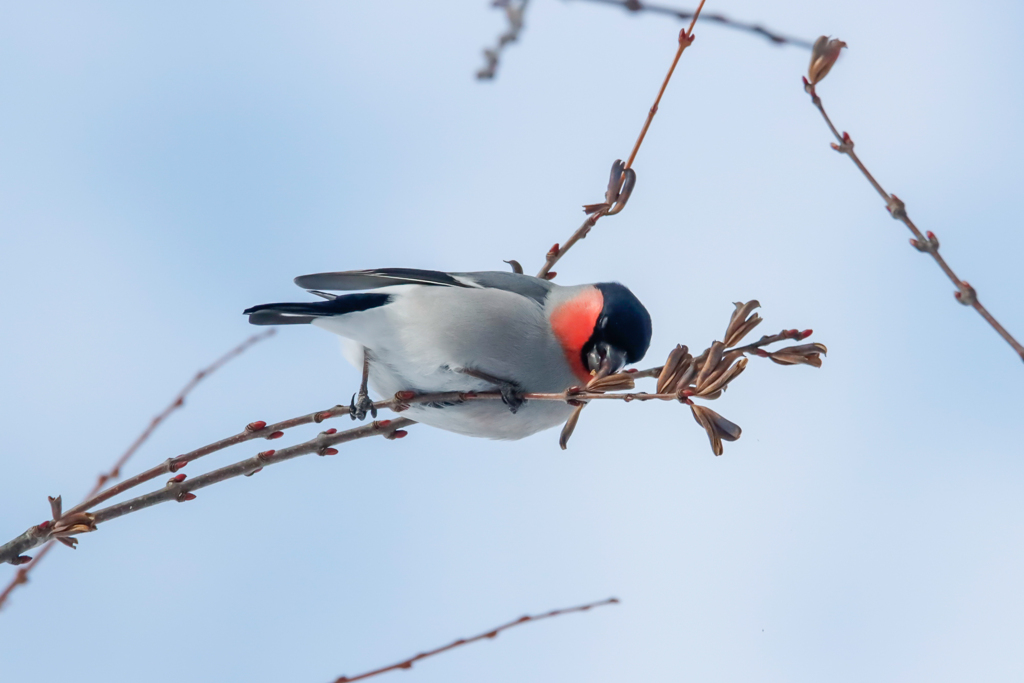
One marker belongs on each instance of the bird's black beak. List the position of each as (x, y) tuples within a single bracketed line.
[(604, 359)]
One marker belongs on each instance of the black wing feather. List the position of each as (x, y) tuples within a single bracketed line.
[(306, 312)]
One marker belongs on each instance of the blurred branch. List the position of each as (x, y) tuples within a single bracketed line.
[(493, 633), (823, 57), (177, 402), (623, 177), (514, 11), (757, 29)]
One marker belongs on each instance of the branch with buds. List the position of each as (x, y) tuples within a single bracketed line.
[(823, 56), (623, 177), (493, 633), (21, 577)]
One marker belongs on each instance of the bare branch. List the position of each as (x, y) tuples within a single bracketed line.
[(514, 11), (757, 29), (493, 633), (114, 472), (927, 243)]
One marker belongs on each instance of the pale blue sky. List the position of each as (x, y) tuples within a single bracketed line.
[(165, 165)]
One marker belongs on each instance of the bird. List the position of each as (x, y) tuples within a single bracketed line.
[(429, 331)]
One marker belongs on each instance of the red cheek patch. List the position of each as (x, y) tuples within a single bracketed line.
[(573, 324)]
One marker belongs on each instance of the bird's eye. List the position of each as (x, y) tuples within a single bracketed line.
[(603, 323)]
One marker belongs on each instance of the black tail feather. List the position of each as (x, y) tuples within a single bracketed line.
[(307, 312)]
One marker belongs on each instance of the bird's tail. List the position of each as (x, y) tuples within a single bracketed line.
[(306, 312)]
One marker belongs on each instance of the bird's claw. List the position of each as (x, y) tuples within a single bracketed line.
[(511, 396), (360, 405)]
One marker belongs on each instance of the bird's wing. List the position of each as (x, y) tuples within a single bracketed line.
[(353, 280)]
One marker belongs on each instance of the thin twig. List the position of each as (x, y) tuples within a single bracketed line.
[(181, 489), (493, 633), (514, 11), (927, 242), (622, 177), (21, 577), (774, 37), (685, 40)]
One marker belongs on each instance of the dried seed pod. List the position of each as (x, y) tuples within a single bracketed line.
[(617, 382), (570, 426), (803, 354), (823, 56), (717, 427)]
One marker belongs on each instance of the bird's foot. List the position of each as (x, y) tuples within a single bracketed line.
[(360, 405), (511, 395)]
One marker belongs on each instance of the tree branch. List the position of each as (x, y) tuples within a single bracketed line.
[(514, 11), (927, 243), (21, 577), (493, 633), (757, 29), (623, 177)]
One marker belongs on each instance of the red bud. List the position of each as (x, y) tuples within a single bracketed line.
[(258, 469), (384, 423), (399, 434), (405, 395), (551, 276), (178, 478), (45, 525), (806, 333), (329, 451), (177, 465), (930, 235), (255, 426), (266, 455), (332, 430), (184, 496), (554, 249), (275, 435), (630, 370)]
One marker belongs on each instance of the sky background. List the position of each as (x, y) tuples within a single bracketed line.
[(165, 165)]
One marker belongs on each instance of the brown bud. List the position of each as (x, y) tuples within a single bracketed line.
[(802, 354), (55, 507), (570, 426), (717, 427), (742, 322), (823, 56), (617, 382), (716, 384), (78, 523), (678, 362), (713, 356)]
